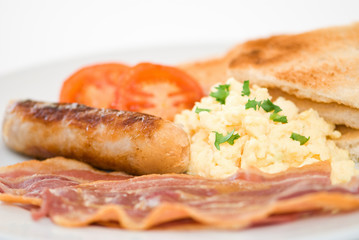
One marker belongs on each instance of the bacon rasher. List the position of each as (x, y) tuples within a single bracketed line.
[(144, 202), (26, 181)]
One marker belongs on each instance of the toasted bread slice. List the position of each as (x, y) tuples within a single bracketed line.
[(338, 114), (321, 65), (350, 141), (210, 71), (207, 73)]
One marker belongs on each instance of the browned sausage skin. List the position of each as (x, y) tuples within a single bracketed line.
[(109, 139)]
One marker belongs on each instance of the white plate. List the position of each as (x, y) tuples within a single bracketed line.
[(44, 82)]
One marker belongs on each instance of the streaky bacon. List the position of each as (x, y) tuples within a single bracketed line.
[(240, 201), (25, 182), (72, 194)]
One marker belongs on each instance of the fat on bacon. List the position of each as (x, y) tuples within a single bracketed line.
[(88, 196)]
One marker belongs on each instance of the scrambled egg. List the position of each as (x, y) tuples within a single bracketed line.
[(262, 142)]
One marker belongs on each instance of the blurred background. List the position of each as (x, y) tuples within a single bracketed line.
[(43, 31)]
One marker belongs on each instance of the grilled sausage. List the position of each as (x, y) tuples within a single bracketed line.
[(108, 139)]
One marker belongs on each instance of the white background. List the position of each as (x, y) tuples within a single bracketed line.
[(33, 32)]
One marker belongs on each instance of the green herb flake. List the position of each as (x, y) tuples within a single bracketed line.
[(230, 137), (278, 118), (221, 94), (198, 110), (253, 104), (246, 91), (268, 106), (299, 138)]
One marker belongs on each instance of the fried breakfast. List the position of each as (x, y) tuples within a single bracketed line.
[(265, 134)]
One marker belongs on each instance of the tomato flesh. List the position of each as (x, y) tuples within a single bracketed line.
[(95, 86), (158, 90)]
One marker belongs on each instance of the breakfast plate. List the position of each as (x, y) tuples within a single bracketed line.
[(44, 82)]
